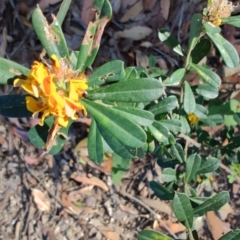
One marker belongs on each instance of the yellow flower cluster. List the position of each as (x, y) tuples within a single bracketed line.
[(193, 119), (55, 90), (218, 9)]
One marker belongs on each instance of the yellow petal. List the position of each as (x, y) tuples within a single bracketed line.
[(44, 115), (39, 71), (63, 121), (33, 105)]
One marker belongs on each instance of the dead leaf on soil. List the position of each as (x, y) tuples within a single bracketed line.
[(41, 201), (87, 13), (132, 12), (108, 233), (136, 33), (31, 160), (216, 226), (45, 3), (70, 207), (174, 227), (81, 177), (165, 6), (149, 4)]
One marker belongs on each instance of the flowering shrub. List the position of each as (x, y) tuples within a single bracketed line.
[(131, 111)]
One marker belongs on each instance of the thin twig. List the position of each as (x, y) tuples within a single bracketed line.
[(156, 216), (190, 140)]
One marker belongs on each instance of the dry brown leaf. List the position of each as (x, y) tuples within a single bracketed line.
[(136, 33), (41, 201), (31, 160), (165, 6), (87, 13), (4, 42), (129, 210), (216, 226), (108, 233), (149, 4), (82, 148), (141, 59), (175, 227), (81, 177), (132, 12), (45, 3), (126, 3), (70, 207)]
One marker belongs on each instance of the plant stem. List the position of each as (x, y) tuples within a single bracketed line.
[(190, 234)]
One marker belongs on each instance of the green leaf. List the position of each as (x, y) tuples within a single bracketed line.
[(118, 126), (38, 135), (164, 106), (213, 204), (201, 112), (210, 165), (111, 71), (189, 102), (167, 38), (208, 76), (120, 166), (14, 106), (10, 70), (211, 29), (207, 91), (233, 20), (226, 49), (185, 129), (192, 165), (232, 235), (45, 34), (201, 50), (199, 200), (151, 61), (236, 117), (95, 143), (183, 209), (177, 152), (138, 90), (175, 78), (151, 234), (195, 30), (161, 192), (169, 175), (92, 37), (63, 11), (159, 132), (131, 74), (136, 115), (173, 125), (166, 162)]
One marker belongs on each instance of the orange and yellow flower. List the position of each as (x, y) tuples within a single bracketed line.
[(55, 91)]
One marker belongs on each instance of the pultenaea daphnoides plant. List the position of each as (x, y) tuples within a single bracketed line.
[(131, 108)]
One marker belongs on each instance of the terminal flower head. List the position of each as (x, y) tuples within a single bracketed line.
[(54, 90), (216, 10), (193, 119)]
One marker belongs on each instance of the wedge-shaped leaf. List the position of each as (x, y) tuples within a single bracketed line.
[(169, 175), (45, 34), (201, 50), (207, 91), (115, 145), (38, 136), (207, 75), (167, 162), (213, 204), (111, 71), (195, 30), (167, 38), (95, 143), (173, 125), (192, 165), (210, 165), (159, 132), (151, 234), (175, 78), (138, 90), (63, 11), (164, 106), (183, 209), (131, 74), (60, 39), (200, 111), (226, 49), (189, 102), (185, 129), (177, 152), (232, 235), (211, 29), (136, 115), (161, 192), (92, 37), (119, 167), (10, 70), (117, 125), (233, 20), (14, 106)]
